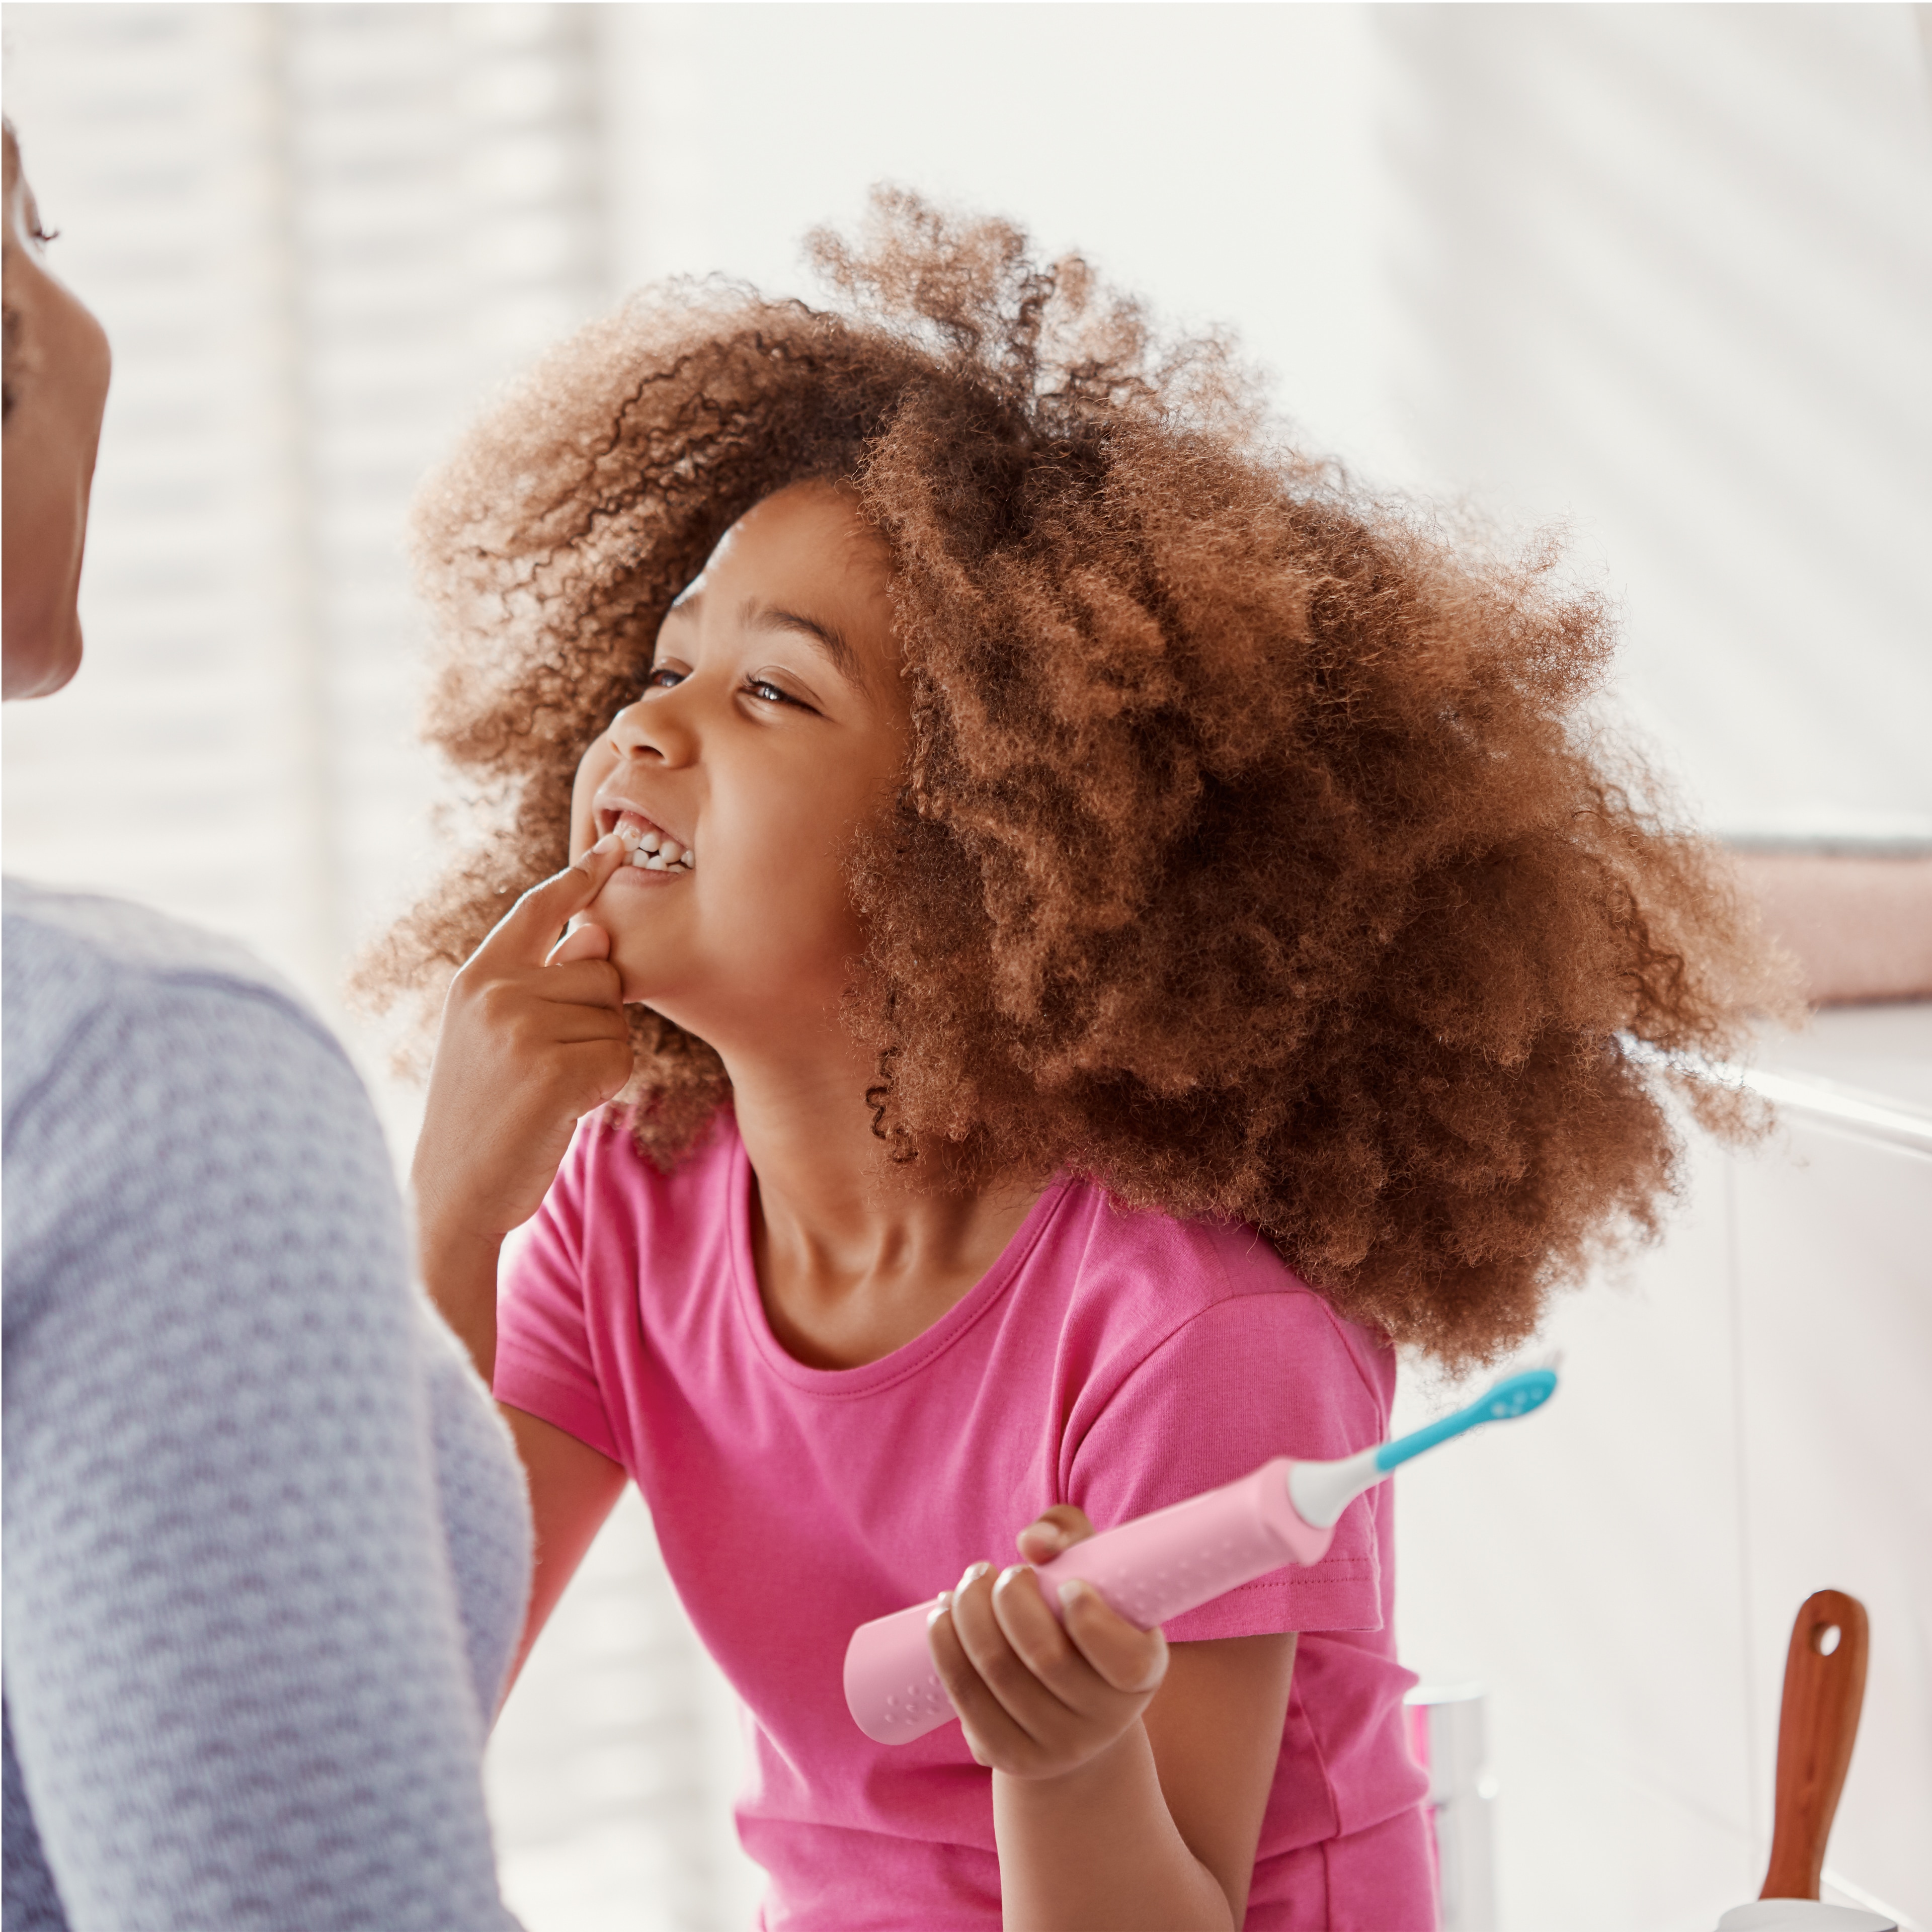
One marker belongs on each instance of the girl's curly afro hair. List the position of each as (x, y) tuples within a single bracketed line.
[(1252, 857)]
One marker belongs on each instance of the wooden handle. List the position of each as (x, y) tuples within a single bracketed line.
[(1817, 1724)]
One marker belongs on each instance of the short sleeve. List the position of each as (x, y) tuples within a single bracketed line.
[(1251, 1377), (545, 1365)]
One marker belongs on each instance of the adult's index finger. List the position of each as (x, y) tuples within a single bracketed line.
[(531, 926)]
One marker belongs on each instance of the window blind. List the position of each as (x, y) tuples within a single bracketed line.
[(317, 235)]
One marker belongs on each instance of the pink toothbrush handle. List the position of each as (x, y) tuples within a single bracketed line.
[(1149, 1570)]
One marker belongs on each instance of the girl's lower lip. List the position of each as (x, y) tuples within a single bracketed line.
[(637, 875)]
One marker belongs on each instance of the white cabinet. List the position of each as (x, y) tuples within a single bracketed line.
[(1742, 1422)]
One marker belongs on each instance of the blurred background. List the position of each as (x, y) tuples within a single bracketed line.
[(1661, 276)]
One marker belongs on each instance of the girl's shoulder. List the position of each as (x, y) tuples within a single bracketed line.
[(1151, 1288), (607, 1176)]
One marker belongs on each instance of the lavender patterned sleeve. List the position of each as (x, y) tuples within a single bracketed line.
[(266, 1545)]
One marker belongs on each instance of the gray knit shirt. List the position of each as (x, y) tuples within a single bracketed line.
[(266, 1543)]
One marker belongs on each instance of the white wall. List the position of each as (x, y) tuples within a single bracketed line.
[(1664, 274), (1224, 160)]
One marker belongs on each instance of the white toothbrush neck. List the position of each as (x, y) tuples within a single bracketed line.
[(1321, 1491)]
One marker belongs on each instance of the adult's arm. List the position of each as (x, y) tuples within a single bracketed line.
[(234, 1668)]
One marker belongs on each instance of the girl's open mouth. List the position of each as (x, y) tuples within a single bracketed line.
[(651, 849)]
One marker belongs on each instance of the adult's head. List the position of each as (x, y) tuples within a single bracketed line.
[(56, 387)]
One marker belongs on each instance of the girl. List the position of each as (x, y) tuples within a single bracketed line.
[(1101, 937)]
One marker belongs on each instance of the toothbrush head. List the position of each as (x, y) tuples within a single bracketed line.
[(1515, 1395), (1518, 1394), (1321, 1491)]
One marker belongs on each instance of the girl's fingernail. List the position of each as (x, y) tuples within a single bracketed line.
[(1071, 1592), (609, 842), (974, 1571)]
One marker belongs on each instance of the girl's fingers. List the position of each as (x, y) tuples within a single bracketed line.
[(593, 982), (1058, 1528), (1036, 1635), (600, 1068), (991, 1734), (585, 940), (529, 930), (1131, 1660), (1014, 1684)]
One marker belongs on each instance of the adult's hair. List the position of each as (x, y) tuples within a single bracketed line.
[(1252, 856)]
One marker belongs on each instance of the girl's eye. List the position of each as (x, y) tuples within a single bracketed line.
[(661, 677), (763, 687)]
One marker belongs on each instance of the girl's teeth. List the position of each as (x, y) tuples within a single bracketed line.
[(652, 852)]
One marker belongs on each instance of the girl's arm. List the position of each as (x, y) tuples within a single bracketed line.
[(573, 1489), (533, 1037), (1129, 1780)]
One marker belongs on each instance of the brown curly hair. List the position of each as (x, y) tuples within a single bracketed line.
[(1252, 857)]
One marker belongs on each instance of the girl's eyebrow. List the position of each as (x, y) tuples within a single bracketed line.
[(844, 658)]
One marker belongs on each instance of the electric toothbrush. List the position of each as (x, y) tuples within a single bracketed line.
[(1157, 1566)]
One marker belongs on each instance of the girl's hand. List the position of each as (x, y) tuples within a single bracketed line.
[(533, 1037), (1037, 1700)]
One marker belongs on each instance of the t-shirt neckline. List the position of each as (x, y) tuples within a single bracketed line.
[(910, 1357)]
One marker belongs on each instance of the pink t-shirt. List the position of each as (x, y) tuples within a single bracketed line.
[(1119, 1361)]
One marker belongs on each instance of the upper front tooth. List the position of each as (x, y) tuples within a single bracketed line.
[(671, 851), (650, 841), (627, 832)]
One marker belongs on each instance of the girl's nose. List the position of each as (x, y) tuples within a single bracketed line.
[(657, 733)]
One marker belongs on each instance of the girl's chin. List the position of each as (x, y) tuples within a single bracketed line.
[(665, 1008)]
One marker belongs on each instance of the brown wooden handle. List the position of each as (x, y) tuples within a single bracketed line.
[(1817, 1725)]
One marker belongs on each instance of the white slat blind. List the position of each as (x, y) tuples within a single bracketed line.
[(316, 234)]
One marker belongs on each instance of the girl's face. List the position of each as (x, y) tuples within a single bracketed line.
[(772, 724)]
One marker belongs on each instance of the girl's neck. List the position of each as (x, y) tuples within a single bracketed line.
[(856, 1256)]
